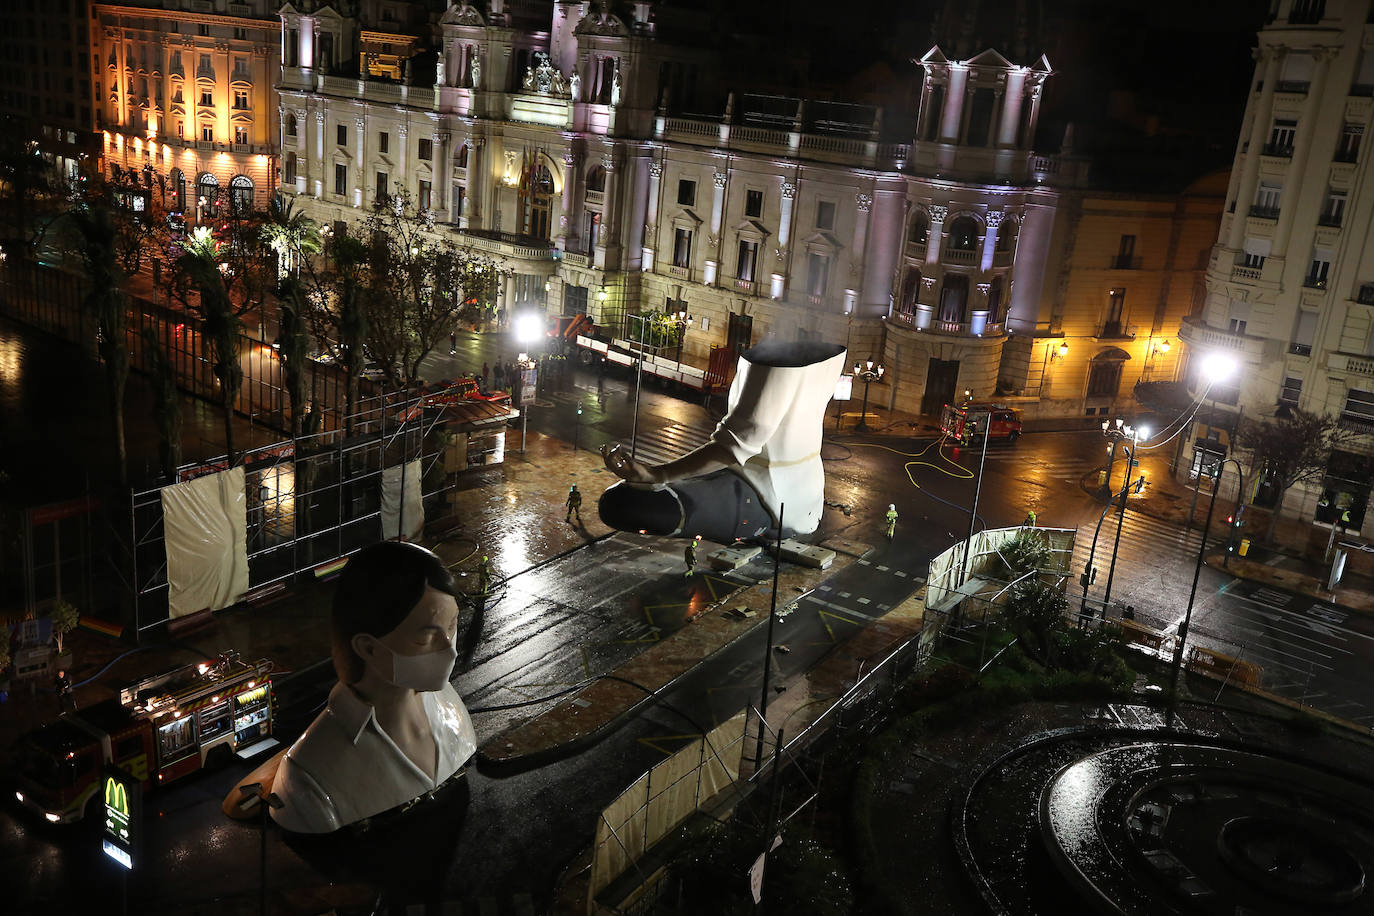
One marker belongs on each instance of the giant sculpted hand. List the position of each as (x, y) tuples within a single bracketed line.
[(619, 463)]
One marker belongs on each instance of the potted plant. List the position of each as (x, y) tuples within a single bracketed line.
[(65, 617)]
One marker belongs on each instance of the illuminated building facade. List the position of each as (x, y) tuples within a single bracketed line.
[(1290, 281), (186, 104), (45, 78), (558, 138)]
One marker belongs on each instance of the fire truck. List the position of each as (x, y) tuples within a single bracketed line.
[(160, 729), (967, 422)]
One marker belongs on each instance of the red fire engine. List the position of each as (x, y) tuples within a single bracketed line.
[(959, 421), (160, 729)]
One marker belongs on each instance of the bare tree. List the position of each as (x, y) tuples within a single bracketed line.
[(1289, 449), (419, 286)]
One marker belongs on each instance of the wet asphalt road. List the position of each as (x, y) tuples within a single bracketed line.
[(563, 622)]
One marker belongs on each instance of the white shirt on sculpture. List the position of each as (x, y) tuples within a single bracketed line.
[(346, 767)]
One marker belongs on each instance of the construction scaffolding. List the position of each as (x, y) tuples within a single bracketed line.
[(309, 501)]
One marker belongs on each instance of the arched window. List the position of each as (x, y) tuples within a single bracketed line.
[(920, 227), (207, 189), (1104, 372), (177, 180), (537, 195), (596, 179), (963, 235), (1006, 234), (241, 195)]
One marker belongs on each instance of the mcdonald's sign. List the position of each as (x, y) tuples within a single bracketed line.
[(121, 800)]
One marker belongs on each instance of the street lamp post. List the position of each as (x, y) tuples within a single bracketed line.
[(683, 320), (869, 372), (1197, 572), (1131, 436), (1117, 431)]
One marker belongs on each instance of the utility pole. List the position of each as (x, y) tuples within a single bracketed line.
[(977, 492)]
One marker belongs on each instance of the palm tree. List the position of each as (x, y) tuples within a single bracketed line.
[(292, 235), (166, 403), (293, 348), (97, 243), (201, 263)]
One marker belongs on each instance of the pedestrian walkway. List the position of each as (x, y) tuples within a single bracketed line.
[(1296, 559), (661, 444)]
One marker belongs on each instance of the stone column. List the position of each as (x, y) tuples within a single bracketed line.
[(719, 179), (1249, 173), (305, 34), (321, 170), (994, 219), (610, 227), (651, 224), (302, 150), (953, 115), (779, 274), (863, 203), (440, 202), (476, 182), (401, 132), (923, 118), (937, 229), (360, 128), (1012, 101), (1307, 126), (568, 229)]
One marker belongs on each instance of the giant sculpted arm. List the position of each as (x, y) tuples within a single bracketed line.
[(307, 807)]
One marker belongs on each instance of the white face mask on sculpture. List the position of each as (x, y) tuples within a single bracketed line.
[(427, 672)]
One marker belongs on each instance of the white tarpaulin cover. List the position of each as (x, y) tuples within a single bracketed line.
[(397, 508), (663, 798), (206, 534)]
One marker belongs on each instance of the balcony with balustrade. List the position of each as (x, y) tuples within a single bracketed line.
[(962, 257), (1197, 333), (920, 320)]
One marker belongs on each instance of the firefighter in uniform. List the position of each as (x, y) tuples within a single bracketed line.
[(891, 520), (574, 504), (689, 554), (484, 577), (1030, 519)]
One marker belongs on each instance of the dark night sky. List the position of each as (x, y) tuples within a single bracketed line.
[(1163, 77)]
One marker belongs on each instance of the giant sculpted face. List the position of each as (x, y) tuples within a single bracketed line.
[(394, 728)]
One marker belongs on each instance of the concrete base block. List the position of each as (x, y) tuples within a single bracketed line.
[(807, 554), (728, 558)]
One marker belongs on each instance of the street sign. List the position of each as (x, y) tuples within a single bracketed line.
[(119, 838)]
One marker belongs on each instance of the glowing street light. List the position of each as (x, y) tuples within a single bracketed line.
[(869, 372)]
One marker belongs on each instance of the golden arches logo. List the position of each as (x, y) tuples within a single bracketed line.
[(116, 796)]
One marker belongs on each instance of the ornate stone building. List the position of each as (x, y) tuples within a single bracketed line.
[(186, 103), (1290, 282)]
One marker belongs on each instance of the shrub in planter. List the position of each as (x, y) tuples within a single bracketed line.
[(65, 617)]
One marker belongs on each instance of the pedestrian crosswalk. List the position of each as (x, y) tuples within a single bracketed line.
[(657, 444), (1031, 466), (1151, 555)]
